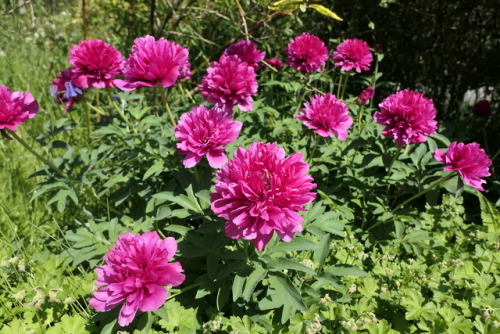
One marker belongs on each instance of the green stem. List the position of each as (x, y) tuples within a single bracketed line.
[(432, 186), (38, 156), (374, 80), (189, 287), (87, 118), (164, 101), (339, 85), (344, 85)]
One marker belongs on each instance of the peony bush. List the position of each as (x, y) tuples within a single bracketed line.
[(316, 210)]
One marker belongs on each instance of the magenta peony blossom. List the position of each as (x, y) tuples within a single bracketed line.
[(366, 95), (202, 132), (353, 53), (469, 160), (260, 191), (482, 108), (275, 62), (96, 63), (15, 108), (307, 53), (135, 274), (246, 51), (64, 90), (408, 117), (327, 116), (229, 82), (153, 62)]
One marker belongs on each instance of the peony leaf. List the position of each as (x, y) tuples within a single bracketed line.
[(286, 5), (325, 11)]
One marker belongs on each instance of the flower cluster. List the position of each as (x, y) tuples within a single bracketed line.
[(154, 62), (202, 132), (307, 53), (260, 191), (408, 117), (16, 108), (229, 82), (353, 54), (247, 52), (95, 64), (327, 116), (469, 160), (135, 274)]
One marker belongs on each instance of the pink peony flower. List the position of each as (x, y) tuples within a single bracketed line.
[(229, 82), (469, 160), (260, 191), (327, 116), (202, 132), (246, 51), (135, 274), (307, 53), (353, 53), (366, 95), (153, 62), (64, 90), (15, 108), (96, 63), (483, 109), (275, 62), (408, 117)]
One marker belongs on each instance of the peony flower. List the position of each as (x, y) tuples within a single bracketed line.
[(353, 53), (135, 274), (96, 63), (260, 191), (202, 132), (229, 82), (469, 160), (408, 117), (307, 53), (327, 116), (366, 95), (275, 62), (154, 61), (483, 109), (15, 108), (246, 51), (64, 90)]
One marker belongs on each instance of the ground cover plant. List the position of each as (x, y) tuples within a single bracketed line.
[(244, 179)]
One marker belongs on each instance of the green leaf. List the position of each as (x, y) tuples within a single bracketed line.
[(344, 269), (297, 244), (223, 296), (284, 287), (282, 263), (156, 169), (251, 282), (489, 214), (321, 254), (325, 11)]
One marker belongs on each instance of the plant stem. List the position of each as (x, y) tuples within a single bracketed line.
[(38, 156), (189, 287), (87, 118), (164, 101), (344, 85), (432, 186), (374, 79), (339, 85)]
